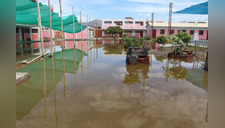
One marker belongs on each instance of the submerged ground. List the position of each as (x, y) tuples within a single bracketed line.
[(101, 91)]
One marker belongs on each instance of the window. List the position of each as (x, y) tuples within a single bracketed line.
[(17, 30), (34, 30), (108, 22), (184, 30), (162, 31), (44, 28), (27, 31), (192, 32), (201, 32), (171, 31), (128, 22)]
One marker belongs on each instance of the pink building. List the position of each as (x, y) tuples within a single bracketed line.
[(161, 28), (131, 26)]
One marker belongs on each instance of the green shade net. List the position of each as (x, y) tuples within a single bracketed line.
[(31, 92), (27, 13), (201, 8)]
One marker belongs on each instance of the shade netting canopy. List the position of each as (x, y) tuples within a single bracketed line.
[(27, 13), (201, 8)]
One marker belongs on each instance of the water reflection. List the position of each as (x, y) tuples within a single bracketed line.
[(136, 74), (103, 91)]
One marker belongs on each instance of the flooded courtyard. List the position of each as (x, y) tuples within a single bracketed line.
[(97, 89)]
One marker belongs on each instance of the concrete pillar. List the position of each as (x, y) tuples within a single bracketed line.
[(31, 44), (20, 40), (133, 33), (103, 34), (144, 34), (123, 23)]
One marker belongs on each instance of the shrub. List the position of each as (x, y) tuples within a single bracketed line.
[(147, 38), (184, 36)]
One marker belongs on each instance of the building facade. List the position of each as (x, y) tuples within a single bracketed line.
[(130, 26), (190, 27)]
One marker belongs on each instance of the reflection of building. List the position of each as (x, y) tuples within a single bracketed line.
[(161, 28)]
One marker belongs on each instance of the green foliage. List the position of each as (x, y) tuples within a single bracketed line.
[(160, 58), (161, 40), (177, 41), (114, 30), (124, 35), (134, 41), (179, 72), (184, 36), (147, 38)]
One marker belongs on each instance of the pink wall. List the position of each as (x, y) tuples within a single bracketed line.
[(201, 37), (77, 35)]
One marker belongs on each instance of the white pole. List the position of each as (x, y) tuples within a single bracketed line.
[(43, 55)]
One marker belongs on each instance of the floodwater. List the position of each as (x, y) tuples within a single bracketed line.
[(99, 90)]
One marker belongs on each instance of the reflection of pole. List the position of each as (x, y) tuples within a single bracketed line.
[(205, 80), (94, 53), (88, 55), (53, 76), (75, 73), (206, 117), (97, 53), (143, 84), (50, 23), (43, 52), (130, 91), (64, 74)]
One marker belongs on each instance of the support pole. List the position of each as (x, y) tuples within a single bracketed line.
[(152, 24), (50, 23), (87, 29), (75, 73), (170, 17), (62, 43), (43, 52), (81, 42), (96, 30)]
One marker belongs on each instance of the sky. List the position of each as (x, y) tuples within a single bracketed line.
[(119, 9)]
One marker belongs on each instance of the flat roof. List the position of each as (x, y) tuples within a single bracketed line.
[(180, 25)]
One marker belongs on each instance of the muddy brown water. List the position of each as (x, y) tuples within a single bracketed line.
[(107, 93)]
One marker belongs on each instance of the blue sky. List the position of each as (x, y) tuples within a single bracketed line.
[(119, 9)]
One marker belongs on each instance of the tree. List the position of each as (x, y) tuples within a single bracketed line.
[(177, 41), (161, 40), (184, 36), (113, 30)]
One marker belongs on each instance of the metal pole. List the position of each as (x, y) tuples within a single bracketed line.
[(170, 17), (43, 53)]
